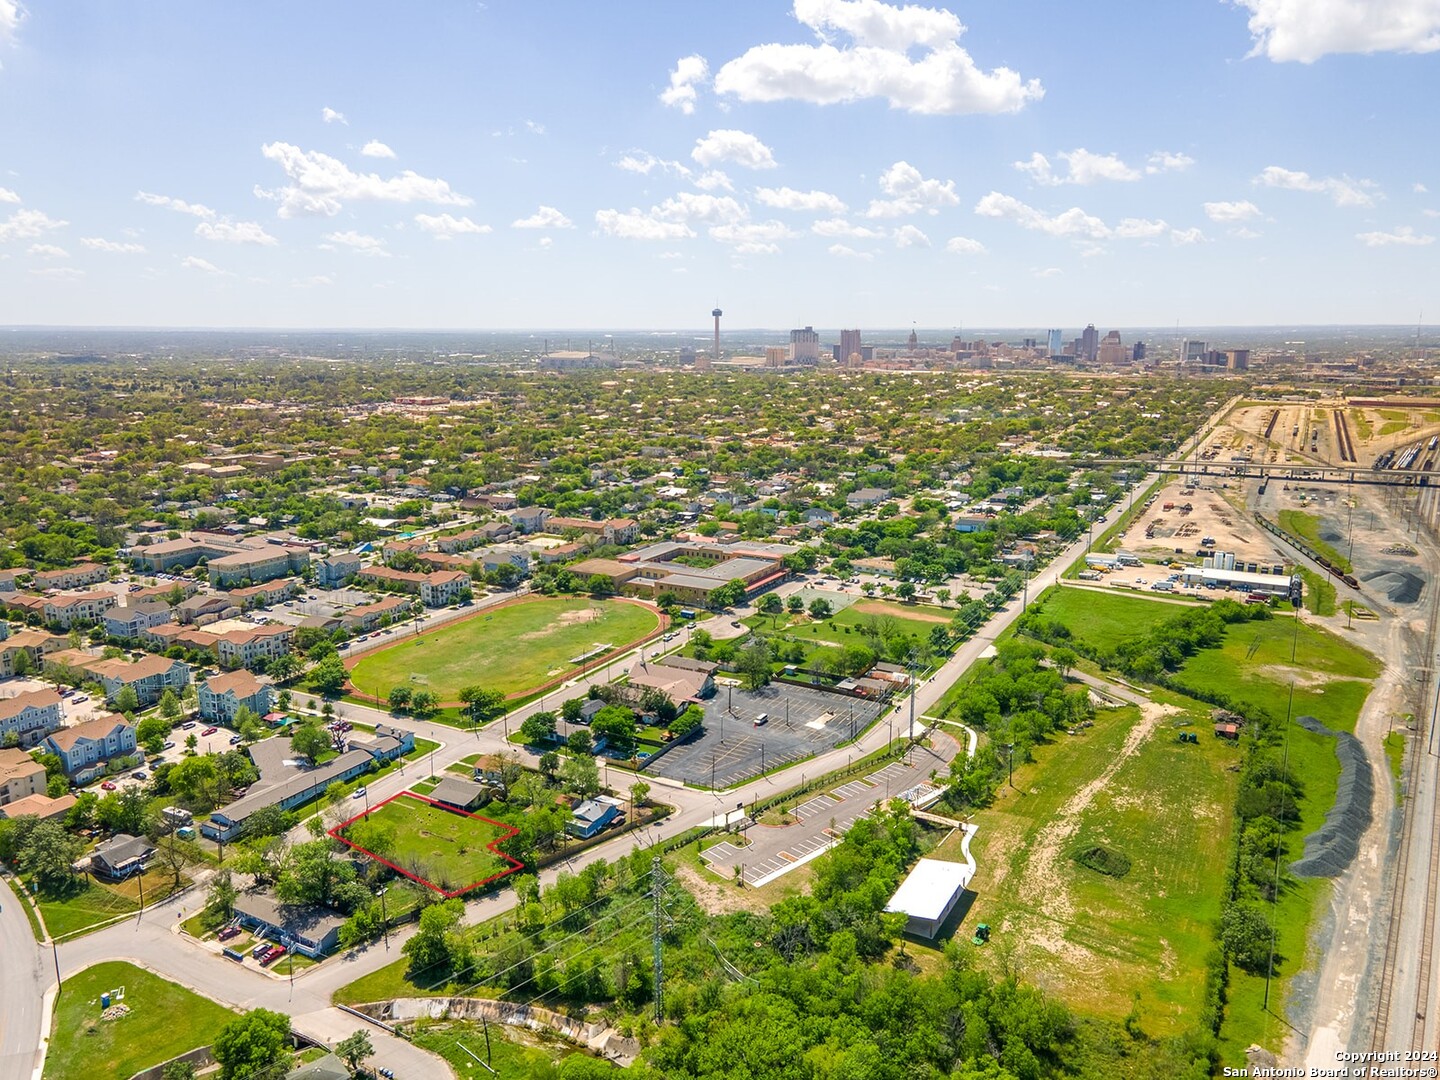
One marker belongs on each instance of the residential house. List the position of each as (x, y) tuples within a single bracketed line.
[(223, 696), (866, 497), (73, 577), (506, 554), (334, 570), (9, 579), (40, 806), (819, 515), (680, 679), (132, 620), (84, 749), (310, 929), (36, 644), (30, 716), (589, 817), (149, 677), (205, 608), (529, 519), (264, 594), (257, 564), (386, 744), (20, 776), (367, 617), (460, 794), (122, 856), (489, 768), (241, 648)]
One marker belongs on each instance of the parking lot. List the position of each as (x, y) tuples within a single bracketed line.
[(800, 721)]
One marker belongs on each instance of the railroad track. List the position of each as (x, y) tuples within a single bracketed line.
[(1380, 1032), (1343, 442)]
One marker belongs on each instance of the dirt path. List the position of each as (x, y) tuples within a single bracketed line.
[(1042, 885)]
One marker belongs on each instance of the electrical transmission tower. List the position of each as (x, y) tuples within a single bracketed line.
[(657, 887)]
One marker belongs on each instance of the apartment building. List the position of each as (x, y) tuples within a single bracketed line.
[(10, 579), (35, 644), (530, 519), (223, 696), (367, 617), (334, 570), (30, 716), (244, 647), (613, 531), (270, 592), (74, 577), (257, 564), (149, 677), (205, 608), (442, 587), (78, 609), (131, 621), (21, 776), (169, 635), (84, 749)]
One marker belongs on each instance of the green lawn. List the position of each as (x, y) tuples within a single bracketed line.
[(507, 1054), (514, 648), (1319, 593), (1091, 939), (91, 903), (447, 849), (164, 1020), (1307, 528), (1103, 619)]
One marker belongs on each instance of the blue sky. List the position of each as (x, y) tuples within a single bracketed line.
[(832, 162)]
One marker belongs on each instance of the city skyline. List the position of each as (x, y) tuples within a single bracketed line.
[(838, 163)]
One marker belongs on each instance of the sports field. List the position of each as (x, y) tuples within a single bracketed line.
[(447, 850), (515, 648)]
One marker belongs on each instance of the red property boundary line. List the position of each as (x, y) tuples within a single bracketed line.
[(355, 656), (508, 831)]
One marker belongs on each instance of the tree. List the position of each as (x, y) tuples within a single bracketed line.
[(795, 604), (125, 811), (328, 677), (820, 608), (617, 724), (639, 792), (309, 740), (906, 591), (580, 743), (252, 1044), (283, 667), (197, 781), (549, 762), (150, 733), (423, 703), (221, 895), (771, 604), (173, 855), (570, 708), (484, 705), (728, 595), (687, 721), (23, 665), (538, 728), (127, 700), (1245, 936), (180, 1069), (581, 775), (399, 698), (48, 853), (431, 947), (353, 1049), (169, 705), (266, 821), (599, 585), (753, 664), (1064, 660)]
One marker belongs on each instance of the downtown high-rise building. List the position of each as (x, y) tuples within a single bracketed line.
[(849, 345), (804, 346), (1055, 342), (1090, 343)]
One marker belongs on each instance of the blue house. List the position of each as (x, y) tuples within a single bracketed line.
[(589, 817)]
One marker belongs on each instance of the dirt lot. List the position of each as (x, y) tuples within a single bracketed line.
[(1158, 531)]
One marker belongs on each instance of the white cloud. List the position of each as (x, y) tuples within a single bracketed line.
[(1165, 161), (1306, 30), (59, 273), (1404, 236), (963, 245), (330, 116), (178, 205), (1417, 187), (1342, 190), (877, 63), (911, 193), (359, 243), (841, 227), (534, 127), (445, 227), (235, 232), (1082, 167), (753, 238), (546, 241), (6, 195), (739, 147), (690, 72), (844, 251), (713, 180), (1243, 233), (786, 198), (638, 225), (547, 217), (1430, 213), (321, 184), (1244, 210), (644, 163), (909, 236), (1140, 229), (28, 224), (313, 281), (113, 247), (1071, 223), (376, 148), (12, 14), (47, 251), (1048, 272), (710, 209), (1182, 237), (191, 262)]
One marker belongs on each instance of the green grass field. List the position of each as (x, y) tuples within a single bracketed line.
[(1103, 619), (914, 619), (1092, 939), (448, 850), (1319, 593), (514, 648), (164, 1020), (91, 903), (1307, 528), (510, 1053)]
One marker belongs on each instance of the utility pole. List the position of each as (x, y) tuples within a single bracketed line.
[(657, 888)]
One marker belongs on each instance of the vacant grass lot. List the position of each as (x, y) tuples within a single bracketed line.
[(1089, 938), (451, 851), (1103, 619), (90, 903), (1307, 528), (513, 648), (164, 1020)]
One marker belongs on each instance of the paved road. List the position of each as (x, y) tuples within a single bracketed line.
[(24, 971)]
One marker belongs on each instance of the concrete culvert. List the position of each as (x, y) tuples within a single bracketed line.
[(1333, 847)]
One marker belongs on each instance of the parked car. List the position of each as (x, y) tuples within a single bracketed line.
[(107, 786), (234, 740), (228, 932), (169, 744), (274, 954), (140, 774), (358, 793), (188, 725), (259, 951), (209, 731)]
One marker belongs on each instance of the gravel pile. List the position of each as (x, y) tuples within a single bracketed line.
[(1332, 847), (1401, 586)]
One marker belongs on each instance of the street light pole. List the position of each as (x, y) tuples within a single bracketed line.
[(384, 917)]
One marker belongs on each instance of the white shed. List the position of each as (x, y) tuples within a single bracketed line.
[(929, 894)]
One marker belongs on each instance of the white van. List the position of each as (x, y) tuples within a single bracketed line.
[(762, 719)]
